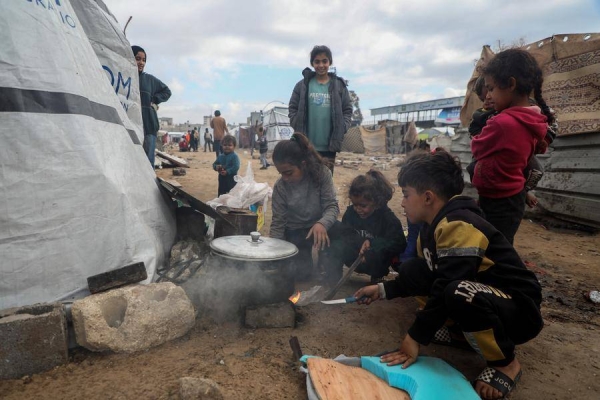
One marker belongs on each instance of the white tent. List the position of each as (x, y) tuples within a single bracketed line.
[(277, 125), (79, 196)]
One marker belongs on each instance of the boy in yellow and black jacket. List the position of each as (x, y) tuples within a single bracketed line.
[(468, 271)]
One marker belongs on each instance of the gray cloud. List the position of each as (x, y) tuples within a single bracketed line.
[(390, 50)]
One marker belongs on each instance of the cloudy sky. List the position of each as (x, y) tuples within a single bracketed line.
[(239, 55)]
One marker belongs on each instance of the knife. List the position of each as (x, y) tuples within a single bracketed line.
[(347, 300)]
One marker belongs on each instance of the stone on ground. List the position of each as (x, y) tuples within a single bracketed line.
[(199, 389), (132, 318)]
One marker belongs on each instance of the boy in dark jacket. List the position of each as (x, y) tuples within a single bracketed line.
[(468, 270), (320, 106), (227, 165)]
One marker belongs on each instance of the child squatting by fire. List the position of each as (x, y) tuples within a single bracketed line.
[(469, 272), (305, 207), (377, 233)]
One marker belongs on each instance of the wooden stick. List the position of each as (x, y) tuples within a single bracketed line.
[(295, 345), (344, 278)]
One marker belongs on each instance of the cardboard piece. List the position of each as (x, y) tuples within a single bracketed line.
[(335, 381)]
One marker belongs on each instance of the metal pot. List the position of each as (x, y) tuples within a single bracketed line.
[(259, 270)]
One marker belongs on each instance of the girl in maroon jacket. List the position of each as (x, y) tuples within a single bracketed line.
[(508, 140)]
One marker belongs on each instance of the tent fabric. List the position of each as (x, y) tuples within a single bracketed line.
[(277, 125), (472, 102), (411, 137), (571, 66), (353, 141), (374, 141), (79, 196), (244, 138)]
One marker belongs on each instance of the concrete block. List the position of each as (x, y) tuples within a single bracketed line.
[(199, 389), (278, 315), (132, 318), (33, 339), (133, 273)]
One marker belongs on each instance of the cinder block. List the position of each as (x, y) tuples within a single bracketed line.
[(33, 339), (278, 315), (116, 278)]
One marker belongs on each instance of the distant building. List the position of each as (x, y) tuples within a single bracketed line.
[(165, 122), (254, 118), (426, 114), (207, 120)]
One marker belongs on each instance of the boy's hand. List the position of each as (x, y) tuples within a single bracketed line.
[(407, 355), (320, 237), (367, 294)]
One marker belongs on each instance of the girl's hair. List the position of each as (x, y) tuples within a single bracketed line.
[(438, 171), (520, 65), (372, 186), (137, 49), (229, 139), (299, 152), (318, 50)]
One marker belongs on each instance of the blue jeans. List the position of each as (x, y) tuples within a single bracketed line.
[(411, 242), (149, 146)]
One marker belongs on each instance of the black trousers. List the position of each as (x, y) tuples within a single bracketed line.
[(226, 183), (504, 214), (492, 321)]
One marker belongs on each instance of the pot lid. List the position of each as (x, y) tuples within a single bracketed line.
[(253, 248)]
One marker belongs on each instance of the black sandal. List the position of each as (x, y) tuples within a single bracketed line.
[(444, 338), (498, 380)]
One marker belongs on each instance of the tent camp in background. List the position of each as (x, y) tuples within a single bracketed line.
[(570, 187), (277, 125)]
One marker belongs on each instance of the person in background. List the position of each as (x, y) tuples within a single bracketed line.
[(469, 272), (152, 93), (263, 148), (508, 140), (305, 207), (219, 126), (207, 140), (320, 106), (378, 233), (227, 165), (195, 139)]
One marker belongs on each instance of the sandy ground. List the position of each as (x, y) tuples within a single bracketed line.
[(563, 362)]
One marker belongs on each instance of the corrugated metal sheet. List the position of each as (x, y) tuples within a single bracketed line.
[(570, 187)]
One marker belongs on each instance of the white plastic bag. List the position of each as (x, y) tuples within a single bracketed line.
[(245, 193)]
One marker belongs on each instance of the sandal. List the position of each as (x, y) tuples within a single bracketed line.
[(498, 380), (444, 338)]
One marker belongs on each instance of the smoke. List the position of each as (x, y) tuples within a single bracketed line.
[(222, 288)]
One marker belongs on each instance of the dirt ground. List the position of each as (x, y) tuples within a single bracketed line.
[(563, 362)]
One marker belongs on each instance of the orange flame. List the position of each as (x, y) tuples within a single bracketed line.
[(295, 297)]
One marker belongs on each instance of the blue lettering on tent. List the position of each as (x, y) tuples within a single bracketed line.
[(126, 84), (112, 76), (64, 17), (121, 83)]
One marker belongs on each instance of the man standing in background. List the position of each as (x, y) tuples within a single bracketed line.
[(219, 126)]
